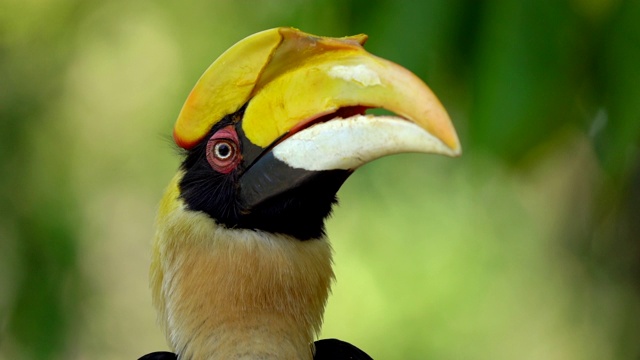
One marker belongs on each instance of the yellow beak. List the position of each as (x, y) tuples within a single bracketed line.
[(289, 79)]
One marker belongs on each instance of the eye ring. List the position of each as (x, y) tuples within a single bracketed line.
[(223, 150)]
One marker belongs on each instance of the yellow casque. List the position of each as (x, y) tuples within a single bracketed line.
[(272, 69)]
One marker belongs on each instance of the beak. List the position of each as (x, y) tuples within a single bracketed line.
[(305, 99)]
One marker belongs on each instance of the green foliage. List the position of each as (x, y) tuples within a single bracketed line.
[(527, 247)]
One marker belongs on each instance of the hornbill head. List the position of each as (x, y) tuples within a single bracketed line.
[(241, 267)]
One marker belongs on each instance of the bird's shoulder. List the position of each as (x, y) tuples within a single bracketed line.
[(334, 349), (325, 349), (159, 355)]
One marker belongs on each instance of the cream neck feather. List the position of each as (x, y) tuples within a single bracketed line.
[(235, 293)]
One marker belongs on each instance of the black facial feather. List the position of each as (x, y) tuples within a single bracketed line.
[(299, 212), (205, 189)]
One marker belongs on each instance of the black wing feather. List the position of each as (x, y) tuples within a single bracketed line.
[(325, 349), (334, 349), (160, 355)]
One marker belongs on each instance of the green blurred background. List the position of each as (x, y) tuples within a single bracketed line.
[(527, 247)]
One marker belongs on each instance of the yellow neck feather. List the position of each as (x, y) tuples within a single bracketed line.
[(234, 293)]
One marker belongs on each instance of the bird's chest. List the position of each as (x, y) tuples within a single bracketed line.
[(257, 298)]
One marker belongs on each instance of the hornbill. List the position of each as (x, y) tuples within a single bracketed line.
[(241, 267)]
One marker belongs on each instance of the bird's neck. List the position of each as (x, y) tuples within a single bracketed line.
[(236, 294)]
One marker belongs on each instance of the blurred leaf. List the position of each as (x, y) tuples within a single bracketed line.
[(46, 289), (618, 143), (523, 88)]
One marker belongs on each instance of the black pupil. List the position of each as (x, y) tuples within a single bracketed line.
[(223, 150)]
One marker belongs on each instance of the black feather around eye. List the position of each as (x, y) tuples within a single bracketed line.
[(207, 190)]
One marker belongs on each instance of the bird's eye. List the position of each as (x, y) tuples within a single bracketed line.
[(222, 150)]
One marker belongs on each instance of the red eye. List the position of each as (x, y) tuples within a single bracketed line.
[(223, 153)]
